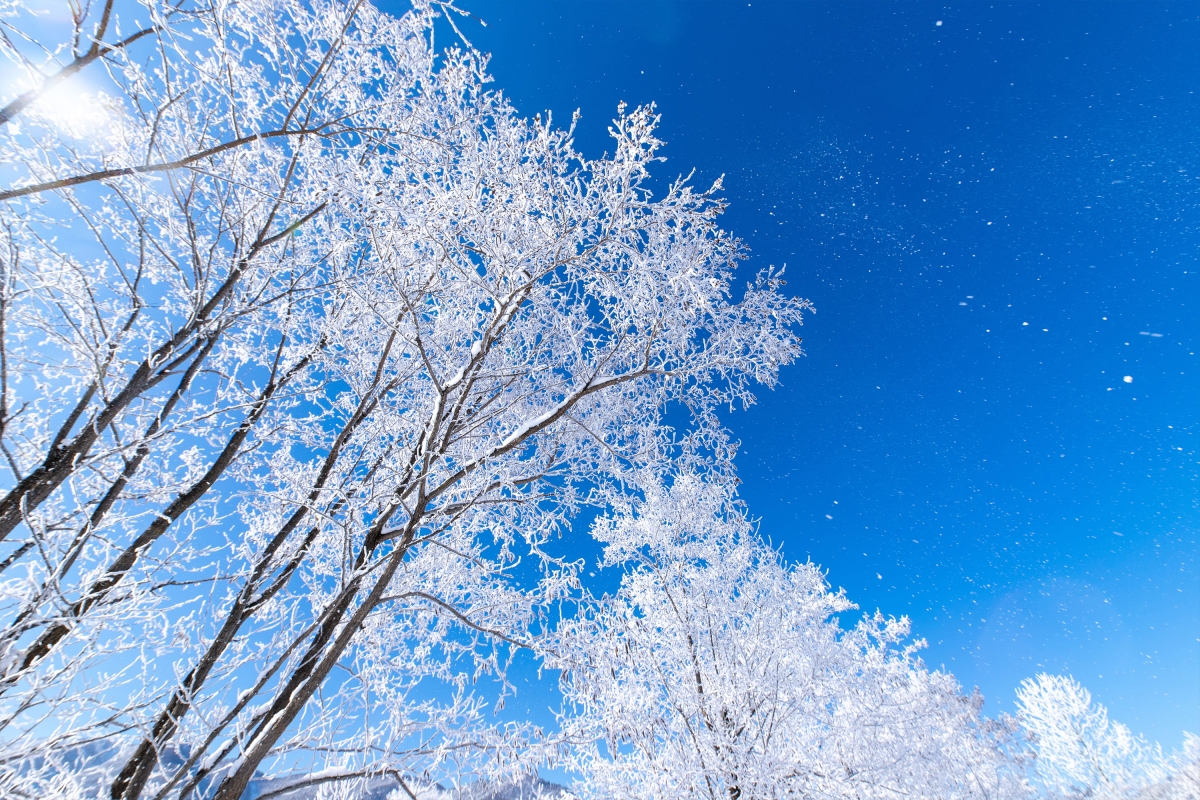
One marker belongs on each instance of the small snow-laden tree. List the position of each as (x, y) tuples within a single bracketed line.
[(1183, 780), (720, 671), (310, 347), (1080, 752)]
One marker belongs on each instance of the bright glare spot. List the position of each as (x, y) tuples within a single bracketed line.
[(76, 112), (1128, 379)]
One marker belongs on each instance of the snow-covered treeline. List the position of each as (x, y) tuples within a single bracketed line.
[(311, 352), (720, 670)]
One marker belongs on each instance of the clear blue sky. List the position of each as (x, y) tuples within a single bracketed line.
[(997, 219)]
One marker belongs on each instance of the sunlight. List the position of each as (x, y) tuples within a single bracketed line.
[(75, 110)]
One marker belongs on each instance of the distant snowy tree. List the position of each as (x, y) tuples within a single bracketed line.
[(310, 347), (1082, 753), (1183, 782), (719, 671)]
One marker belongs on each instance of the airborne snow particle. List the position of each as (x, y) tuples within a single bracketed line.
[(938, 23), (1128, 379), (828, 516)]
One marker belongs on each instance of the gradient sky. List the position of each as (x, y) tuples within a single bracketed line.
[(994, 209)]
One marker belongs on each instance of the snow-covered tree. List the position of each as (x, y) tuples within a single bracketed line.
[(1082, 753), (1183, 779), (309, 348), (720, 671)]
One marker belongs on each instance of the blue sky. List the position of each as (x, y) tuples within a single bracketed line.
[(995, 210)]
